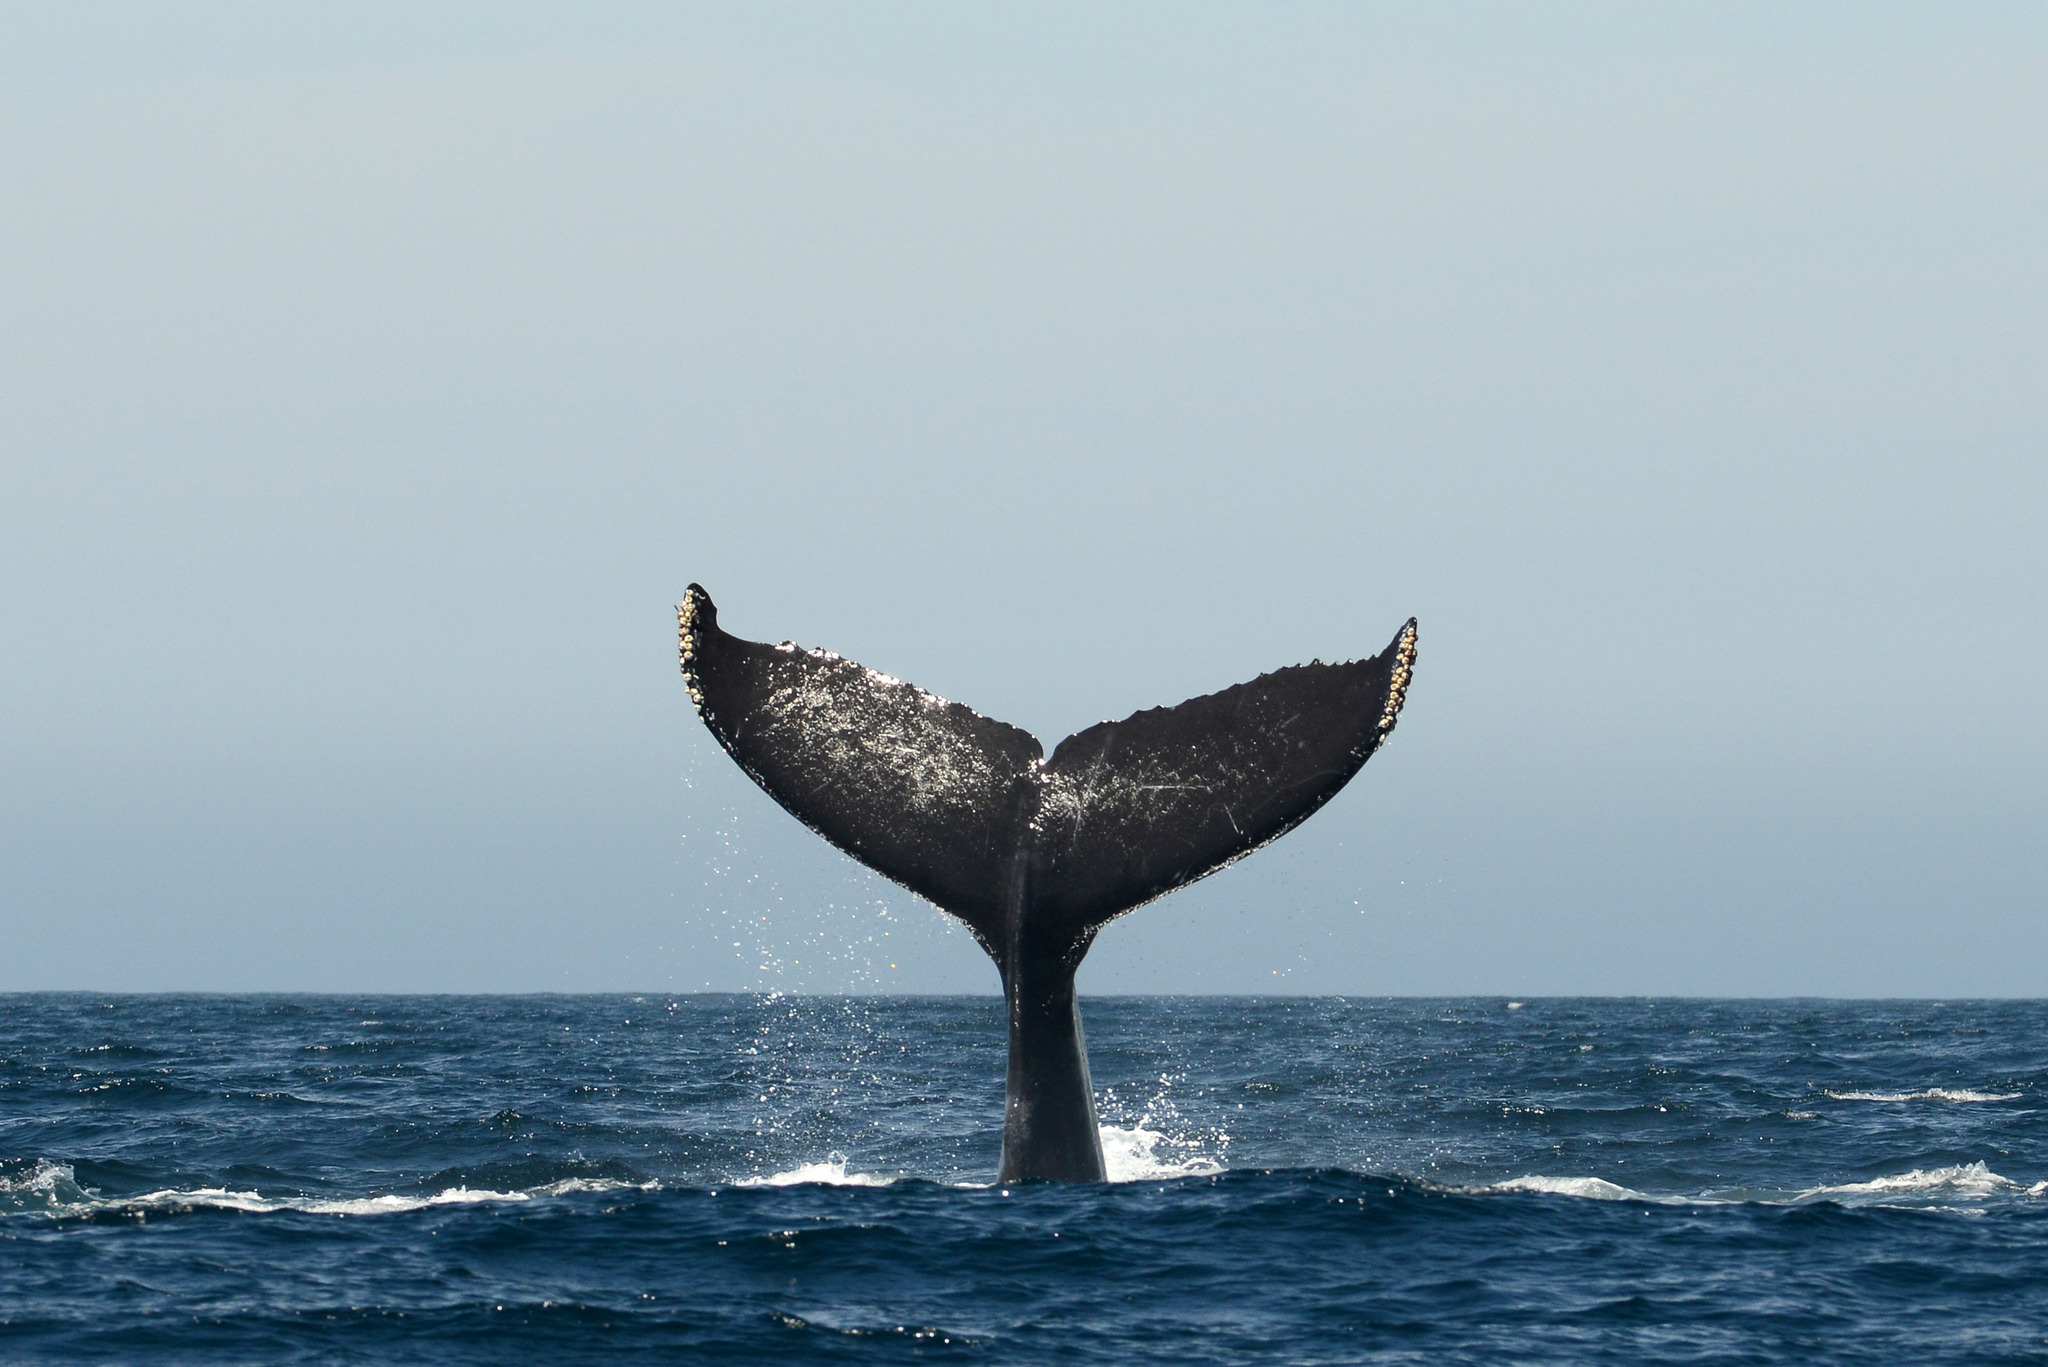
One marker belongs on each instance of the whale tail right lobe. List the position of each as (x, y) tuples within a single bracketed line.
[(1132, 809)]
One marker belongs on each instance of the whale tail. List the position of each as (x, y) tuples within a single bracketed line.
[(1035, 855), (958, 807)]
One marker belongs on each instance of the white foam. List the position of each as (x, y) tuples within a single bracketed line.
[(1133, 1155), (56, 1185), (254, 1203), (1926, 1094), (1587, 1188), (831, 1173), (1921, 1188), (1967, 1181)]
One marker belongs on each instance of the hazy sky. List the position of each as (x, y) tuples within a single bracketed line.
[(373, 379)]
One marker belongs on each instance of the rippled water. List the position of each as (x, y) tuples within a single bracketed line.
[(468, 1179)]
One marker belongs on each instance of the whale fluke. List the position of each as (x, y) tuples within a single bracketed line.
[(1035, 855)]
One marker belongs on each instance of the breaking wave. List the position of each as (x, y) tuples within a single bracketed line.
[(1586, 1188), (1968, 1181), (830, 1173), (53, 1188), (1926, 1094), (1920, 1187)]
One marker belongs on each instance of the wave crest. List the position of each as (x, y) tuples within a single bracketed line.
[(1917, 1188), (1956, 1094), (1587, 1188), (1967, 1181), (52, 1188), (830, 1173)]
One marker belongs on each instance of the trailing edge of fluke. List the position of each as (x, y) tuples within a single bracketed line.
[(1037, 854)]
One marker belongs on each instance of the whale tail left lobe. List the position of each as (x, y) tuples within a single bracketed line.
[(923, 791)]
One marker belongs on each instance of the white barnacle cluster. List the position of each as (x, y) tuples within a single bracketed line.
[(686, 635), (1397, 691), (876, 676)]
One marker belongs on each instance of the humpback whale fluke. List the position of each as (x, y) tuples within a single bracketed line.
[(1036, 855)]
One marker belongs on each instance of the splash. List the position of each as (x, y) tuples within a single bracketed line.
[(1156, 1142), (1141, 1155), (43, 1186)]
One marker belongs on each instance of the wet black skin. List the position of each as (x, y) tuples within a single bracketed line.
[(1035, 855)]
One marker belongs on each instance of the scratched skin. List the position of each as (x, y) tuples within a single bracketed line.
[(1136, 808)]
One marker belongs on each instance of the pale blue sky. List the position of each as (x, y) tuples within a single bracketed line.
[(374, 378)]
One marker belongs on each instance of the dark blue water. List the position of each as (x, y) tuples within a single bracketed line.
[(619, 1179)]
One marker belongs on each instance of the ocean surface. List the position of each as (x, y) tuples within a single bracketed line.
[(764, 1179)]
